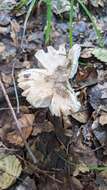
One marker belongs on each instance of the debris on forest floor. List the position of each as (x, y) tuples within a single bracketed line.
[(70, 155)]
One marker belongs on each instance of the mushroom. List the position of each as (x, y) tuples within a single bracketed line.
[(48, 85)]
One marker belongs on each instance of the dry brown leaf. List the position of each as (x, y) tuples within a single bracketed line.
[(15, 28), (24, 109), (98, 96), (76, 183), (82, 167), (15, 138), (86, 53), (86, 73), (82, 117), (7, 79), (103, 118), (104, 173), (48, 127), (26, 122)]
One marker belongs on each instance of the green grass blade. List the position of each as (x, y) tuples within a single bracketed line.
[(21, 4), (98, 168), (99, 36), (26, 19), (48, 26), (71, 22)]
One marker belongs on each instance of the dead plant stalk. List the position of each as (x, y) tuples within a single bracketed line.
[(17, 122)]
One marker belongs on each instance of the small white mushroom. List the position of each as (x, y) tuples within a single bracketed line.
[(48, 86)]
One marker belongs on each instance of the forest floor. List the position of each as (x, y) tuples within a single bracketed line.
[(71, 156)]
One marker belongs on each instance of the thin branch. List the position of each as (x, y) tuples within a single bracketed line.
[(17, 123), (15, 88), (7, 108)]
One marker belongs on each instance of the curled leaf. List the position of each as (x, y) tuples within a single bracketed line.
[(26, 122)]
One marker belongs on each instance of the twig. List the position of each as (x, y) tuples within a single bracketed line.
[(17, 123), (7, 108), (87, 85), (36, 170), (15, 88)]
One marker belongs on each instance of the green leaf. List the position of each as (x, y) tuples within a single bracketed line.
[(100, 54)]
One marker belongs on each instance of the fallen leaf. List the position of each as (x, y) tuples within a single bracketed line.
[(100, 54), (83, 153), (15, 138), (86, 53), (82, 117), (98, 96), (86, 74), (104, 174), (47, 128), (7, 4), (97, 3), (9, 53), (7, 79), (15, 28), (10, 170), (26, 122), (82, 167), (60, 6), (103, 118), (99, 132), (76, 184)]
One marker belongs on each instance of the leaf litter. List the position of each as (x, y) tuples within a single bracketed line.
[(70, 150)]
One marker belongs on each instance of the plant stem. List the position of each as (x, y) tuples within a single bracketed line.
[(93, 22), (17, 122), (71, 23), (48, 26), (26, 19)]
